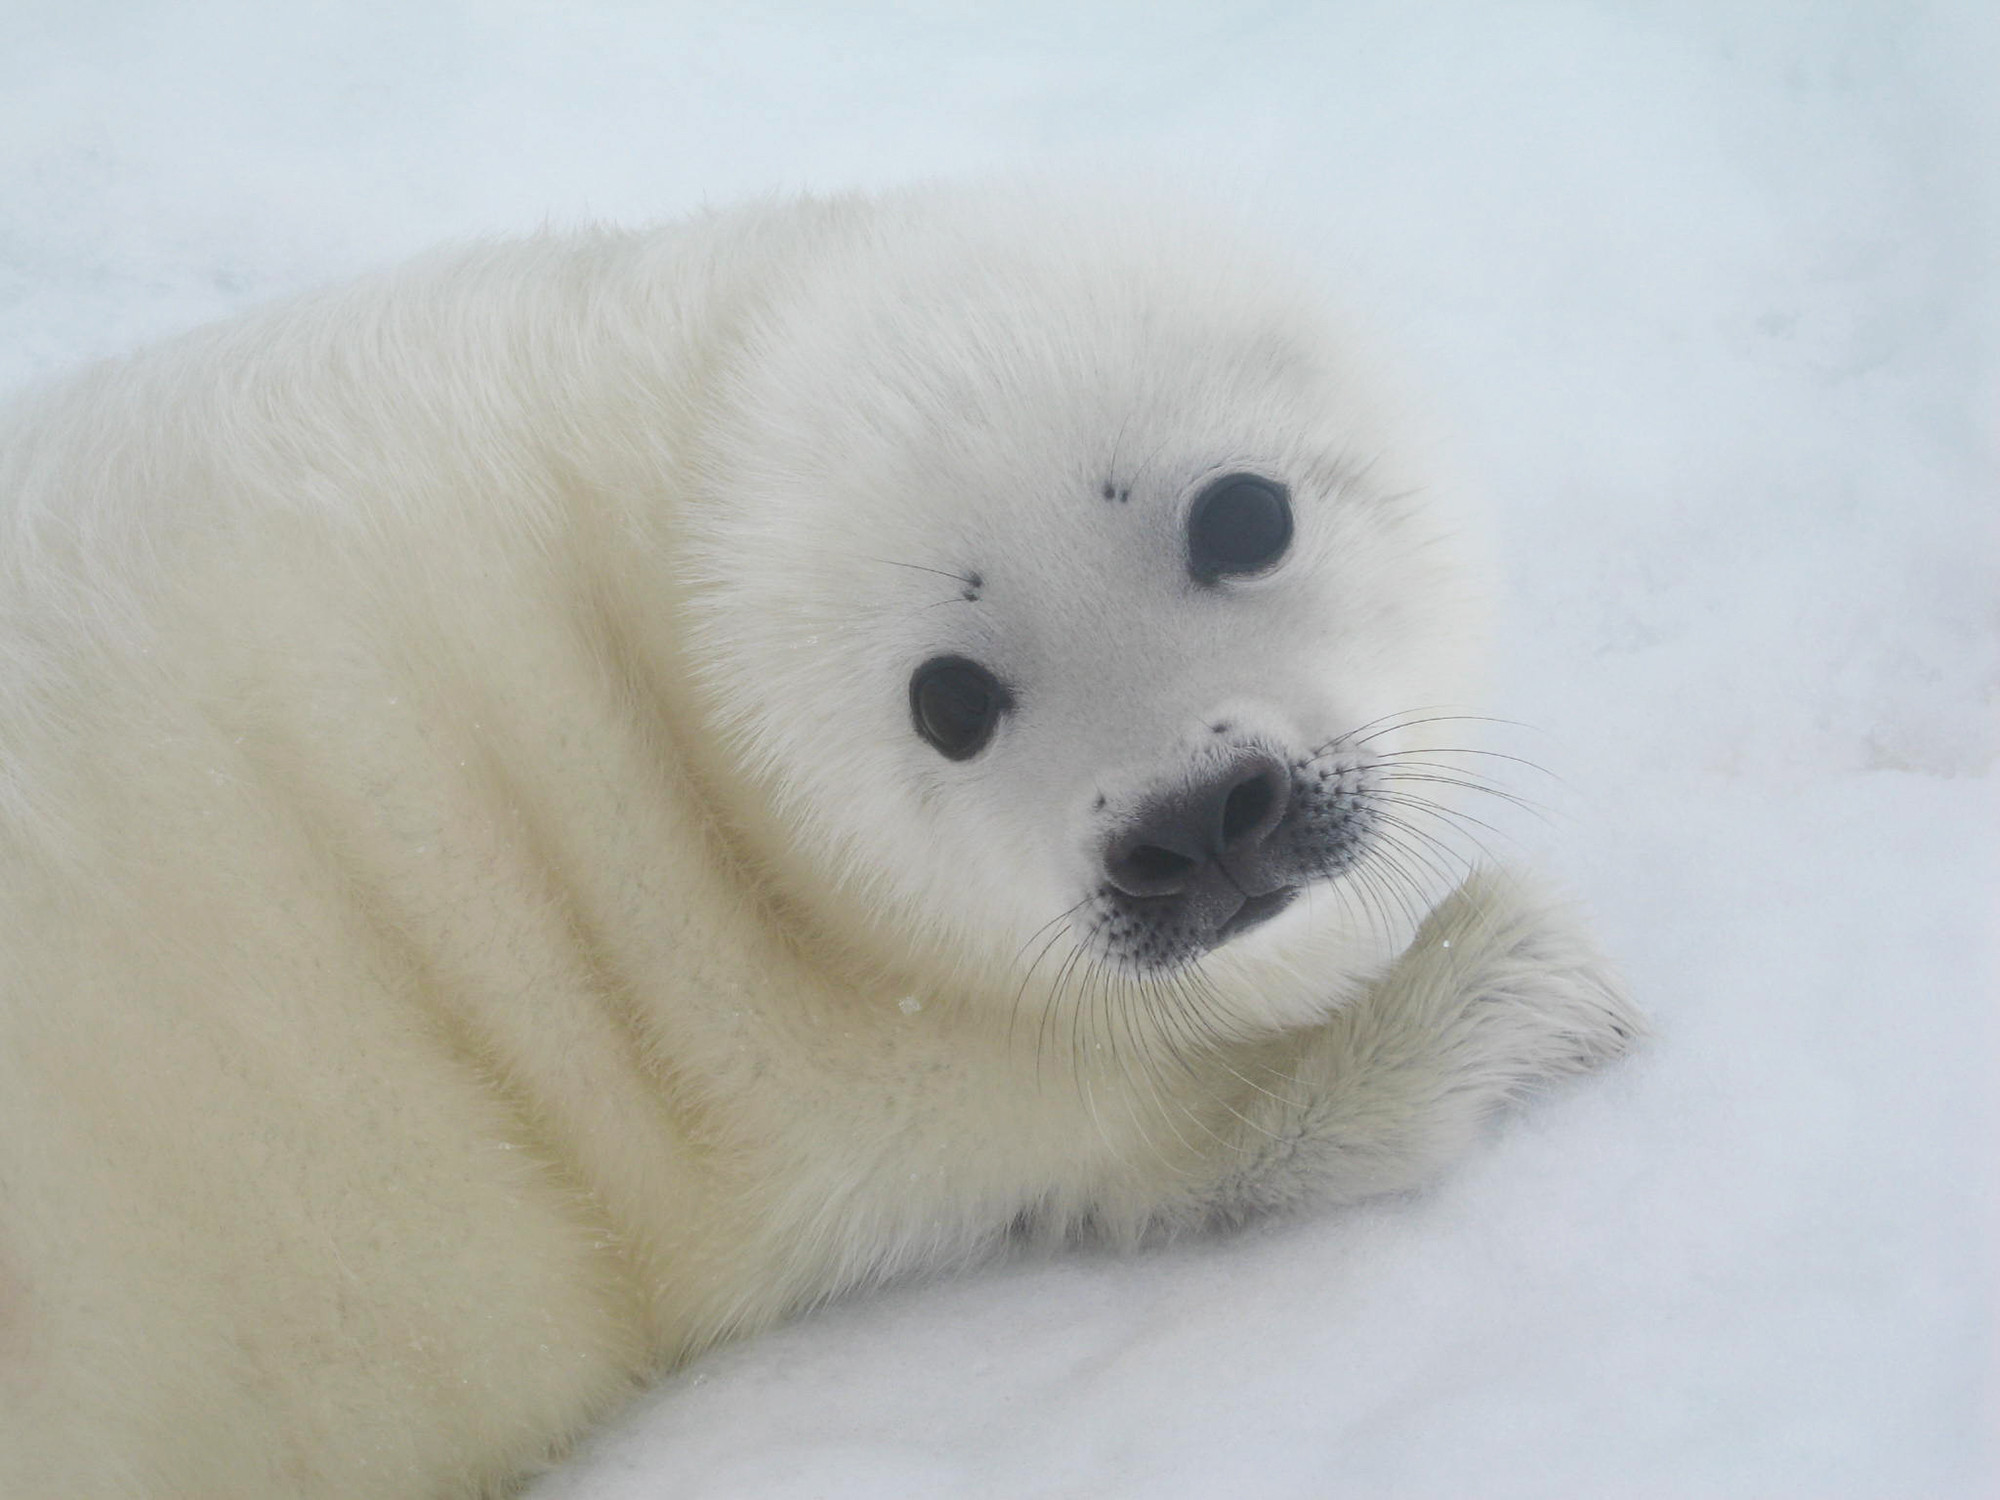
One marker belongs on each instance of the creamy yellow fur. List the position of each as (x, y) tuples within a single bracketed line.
[(462, 946)]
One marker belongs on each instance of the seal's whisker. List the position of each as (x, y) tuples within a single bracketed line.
[(1453, 856), (1351, 736), (1473, 776), (1435, 719), (970, 580), (1360, 884), (1435, 779), (1052, 1009), (1393, 833), (1162, 1099), (1420, 750), (1359, 742), (1184, 1027), (1027, 977), (1450, 815), (1398, 885)]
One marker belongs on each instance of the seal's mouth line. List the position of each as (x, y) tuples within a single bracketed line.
[(1254, 912)]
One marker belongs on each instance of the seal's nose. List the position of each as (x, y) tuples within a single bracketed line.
[(1166, 849)]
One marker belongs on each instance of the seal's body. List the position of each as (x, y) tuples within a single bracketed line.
[(563, 802)]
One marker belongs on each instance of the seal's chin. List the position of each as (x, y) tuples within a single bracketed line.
[(1255, 912)]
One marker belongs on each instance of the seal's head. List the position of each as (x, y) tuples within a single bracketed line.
[(1067, 601)]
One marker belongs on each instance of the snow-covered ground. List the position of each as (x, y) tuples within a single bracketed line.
[(1708, 289)]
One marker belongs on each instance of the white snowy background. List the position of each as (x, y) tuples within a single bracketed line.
[(1707, 289)]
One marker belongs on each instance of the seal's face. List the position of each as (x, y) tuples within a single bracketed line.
[(1223, 830), (1068, 608)]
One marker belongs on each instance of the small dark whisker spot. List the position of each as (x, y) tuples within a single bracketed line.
[(971, 579)]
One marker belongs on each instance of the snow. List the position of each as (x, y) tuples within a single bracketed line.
[(1708, 290)]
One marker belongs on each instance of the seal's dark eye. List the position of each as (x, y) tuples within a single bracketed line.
[(955, 703), (1239, 524)]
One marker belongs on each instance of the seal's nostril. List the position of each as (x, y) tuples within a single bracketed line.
[(1244, 811)]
